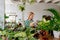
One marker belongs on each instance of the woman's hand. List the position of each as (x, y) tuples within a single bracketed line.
[(32, 24)]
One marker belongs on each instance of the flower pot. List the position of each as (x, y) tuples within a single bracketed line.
[(44, 35), (56, 34), (43, 32)]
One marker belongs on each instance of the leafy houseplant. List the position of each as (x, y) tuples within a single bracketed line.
[(55, 22), (55, 19), (55, 13), (43, 25), (25, 35)]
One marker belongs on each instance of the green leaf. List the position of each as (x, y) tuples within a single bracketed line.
[(20, 34), (54, 12)]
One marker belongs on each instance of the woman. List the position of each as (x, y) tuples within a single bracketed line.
[(29, 21)]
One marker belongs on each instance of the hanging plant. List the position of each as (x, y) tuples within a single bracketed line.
[(21, 7), (32, 1), (6, 16)]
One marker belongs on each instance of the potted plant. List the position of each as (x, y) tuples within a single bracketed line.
[(46, 24), (56, 31), (55, 22), (44, 27)]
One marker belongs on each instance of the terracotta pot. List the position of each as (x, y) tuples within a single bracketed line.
[(44, 35), (43, 32)]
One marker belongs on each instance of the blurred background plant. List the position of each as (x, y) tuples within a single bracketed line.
[(21, 7), (6, 16), (55, 22), (24, 34)]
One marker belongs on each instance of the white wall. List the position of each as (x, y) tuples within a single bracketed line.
[(37, 8), (1, 13)]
